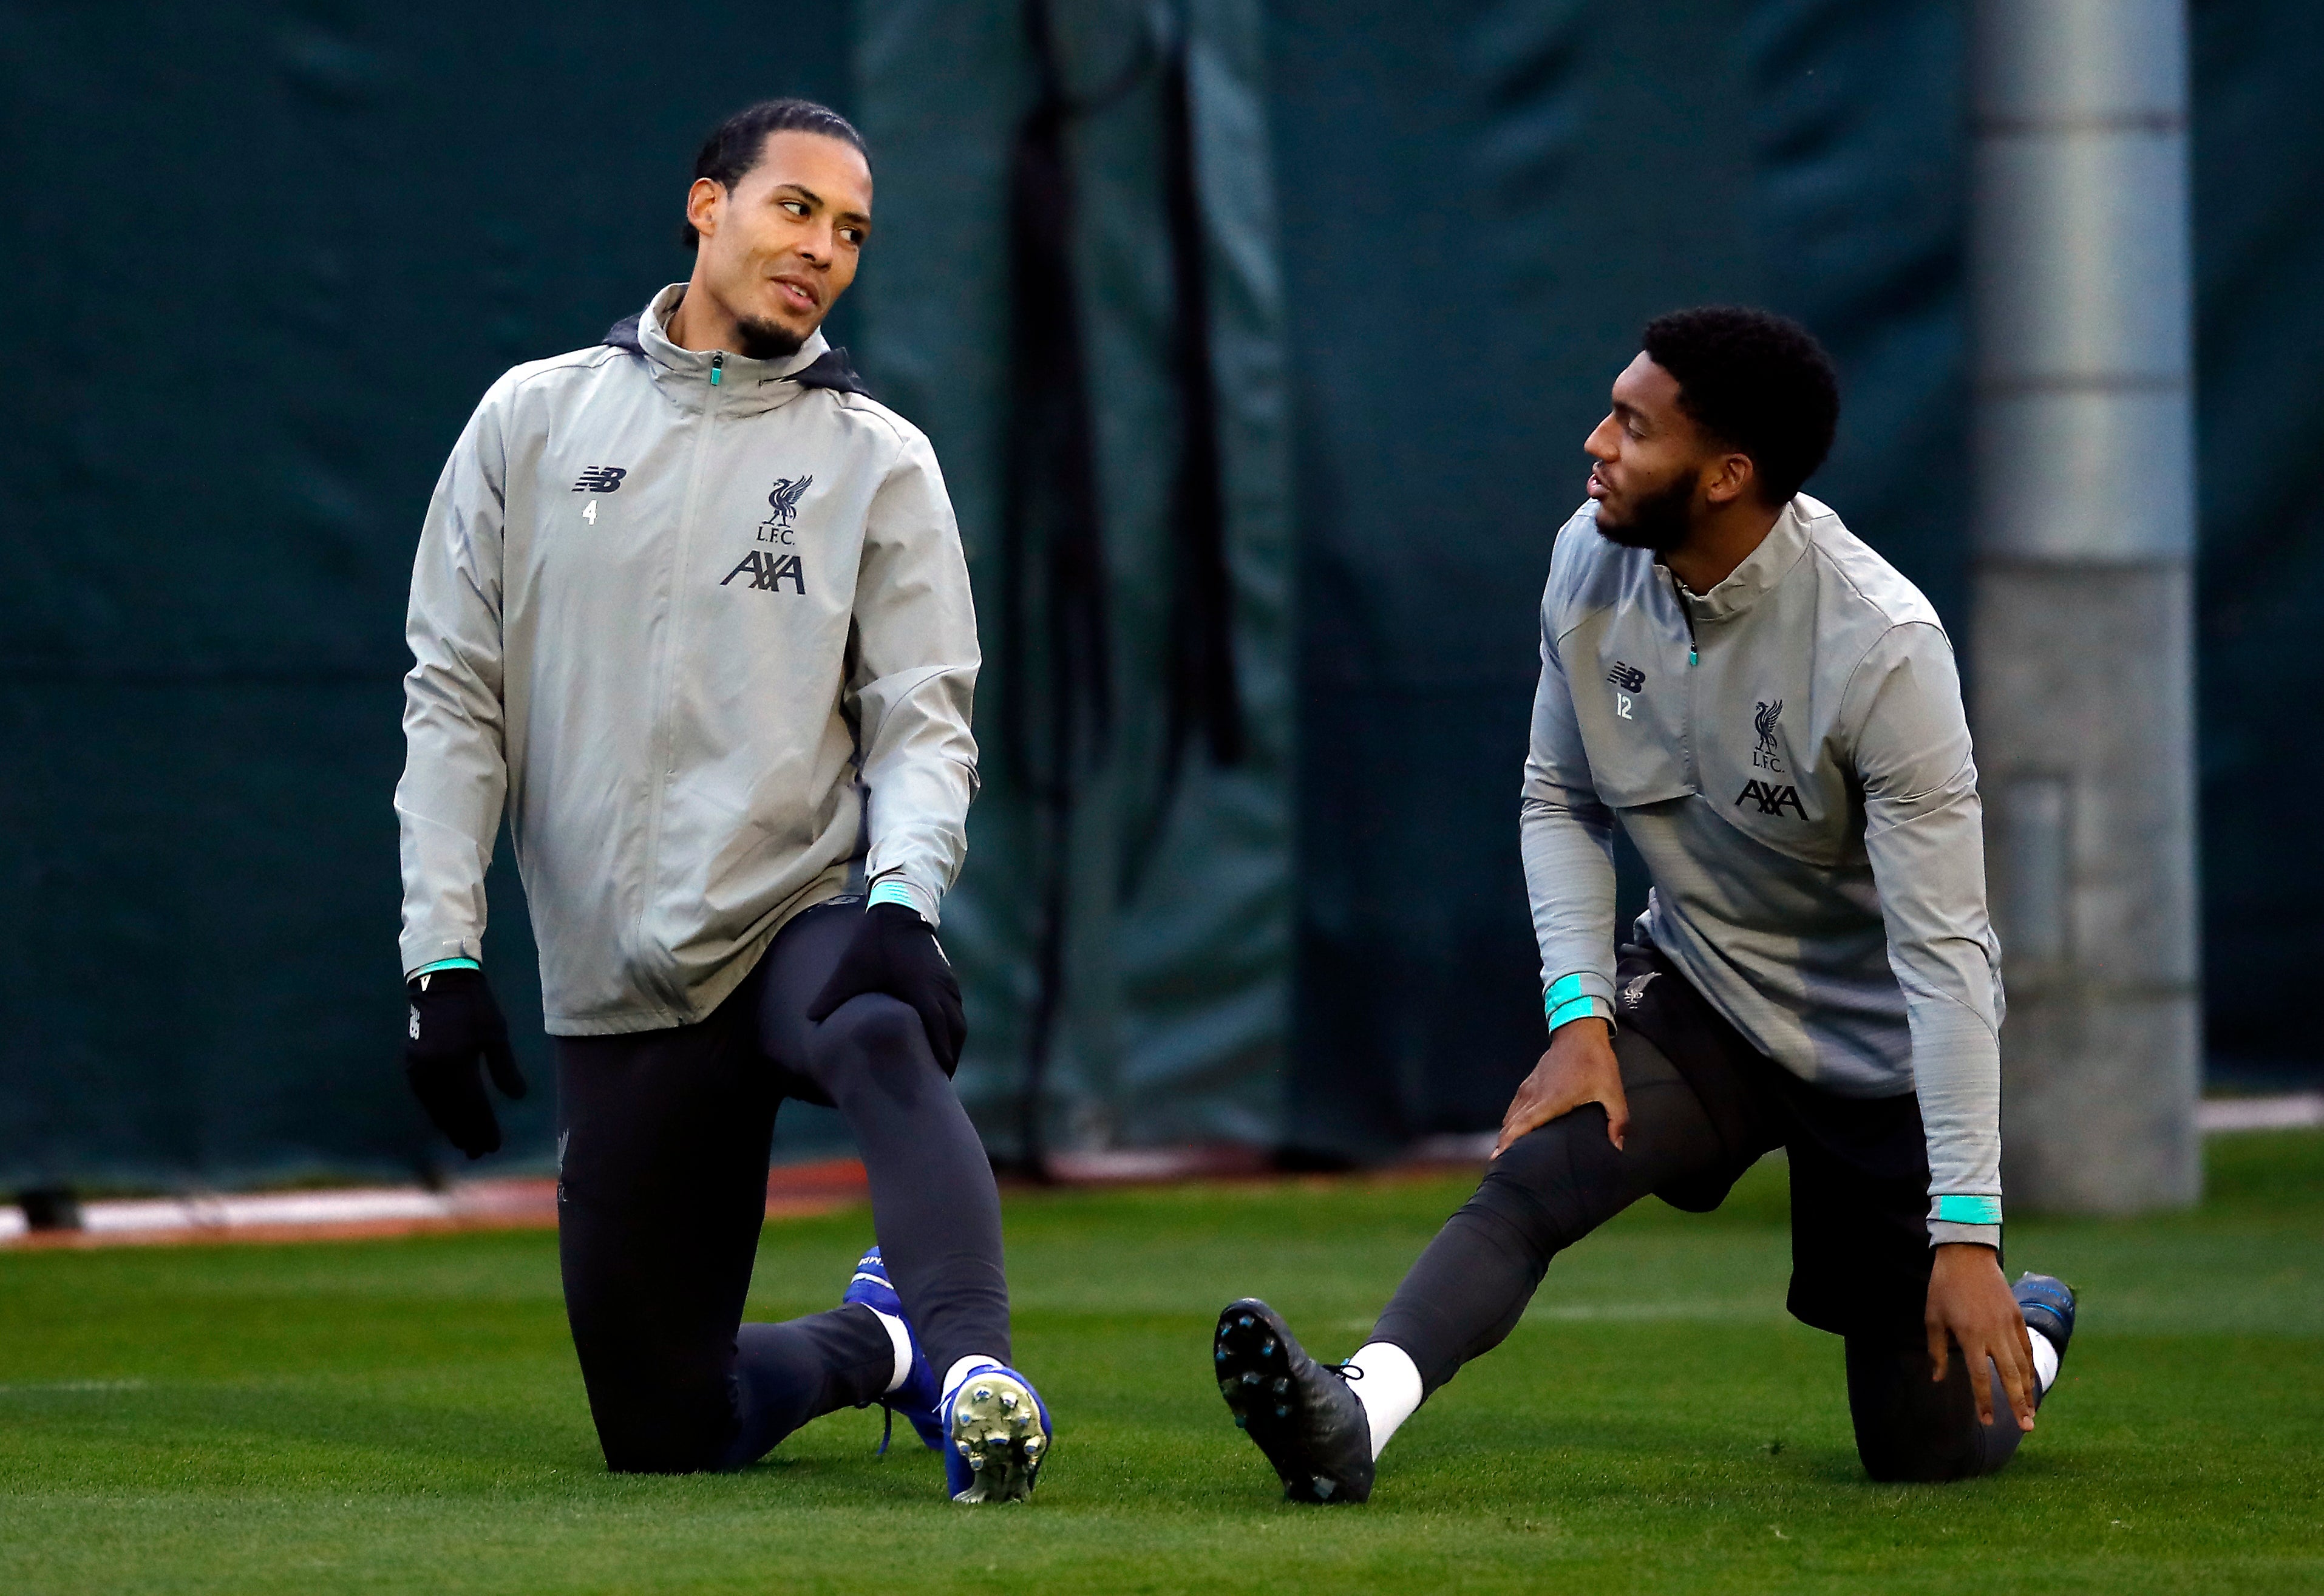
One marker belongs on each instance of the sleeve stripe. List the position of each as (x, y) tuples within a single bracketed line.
[(1957, 1209)]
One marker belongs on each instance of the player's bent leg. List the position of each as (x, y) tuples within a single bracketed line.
[(934, 1203), (935, 1207), (661, 1190), (1911, 1429), (788, 1374)]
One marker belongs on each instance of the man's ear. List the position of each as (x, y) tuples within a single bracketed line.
[(702, 205), (1734, 476)]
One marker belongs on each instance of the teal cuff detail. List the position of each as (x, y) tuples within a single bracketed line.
[(1962, 1210), (1561, 991), (446, 964), (1583, 1008), (892, 892), (1566, 1001)]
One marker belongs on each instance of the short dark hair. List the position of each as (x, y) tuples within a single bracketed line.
[(1756, 381), (736, 144)]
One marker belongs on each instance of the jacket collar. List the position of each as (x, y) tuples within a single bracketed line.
[(760, 383), (1762, 570)]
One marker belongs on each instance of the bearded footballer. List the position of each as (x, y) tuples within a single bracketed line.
[(1772, 716)]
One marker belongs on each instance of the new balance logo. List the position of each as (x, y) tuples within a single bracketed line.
[(1629, 678), (1771, 798), (600, 479), (768, 568)]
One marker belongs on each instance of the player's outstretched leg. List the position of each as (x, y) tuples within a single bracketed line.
[(1469, 1288), (1910, 1428), (1300, 1412)]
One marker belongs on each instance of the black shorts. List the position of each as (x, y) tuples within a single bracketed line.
[(1859, 1166)]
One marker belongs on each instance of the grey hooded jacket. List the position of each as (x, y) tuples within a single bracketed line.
[(1789, 755), (703, 626)]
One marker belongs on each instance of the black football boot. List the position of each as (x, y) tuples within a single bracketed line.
[(1301, 1412)]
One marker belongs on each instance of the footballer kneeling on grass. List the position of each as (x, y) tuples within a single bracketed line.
[(1773, 714), (692, 607)]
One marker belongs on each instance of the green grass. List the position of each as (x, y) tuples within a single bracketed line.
[(407, 1415)]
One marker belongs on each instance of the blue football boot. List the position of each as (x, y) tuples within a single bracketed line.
[(916, 1399), (998, 1427), (2048, 1303)]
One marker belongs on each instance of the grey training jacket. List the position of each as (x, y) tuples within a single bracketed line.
[(1789, 755), (704, 627)]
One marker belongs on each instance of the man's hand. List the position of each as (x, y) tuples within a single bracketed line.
[(895, 951), (1969, 1303), (454, 1026), (1578, 1068)]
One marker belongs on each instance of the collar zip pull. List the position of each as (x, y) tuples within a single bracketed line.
[(717, 364)]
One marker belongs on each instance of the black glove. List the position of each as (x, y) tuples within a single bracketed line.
[(895, 951), (454, 1023)]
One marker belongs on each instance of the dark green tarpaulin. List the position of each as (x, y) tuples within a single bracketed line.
[(1176, 968), (263, 257), (261, 261), (1480, 214)]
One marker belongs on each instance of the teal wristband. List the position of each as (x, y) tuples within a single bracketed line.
[(892, 892), (446, 964), (1964, 1210)]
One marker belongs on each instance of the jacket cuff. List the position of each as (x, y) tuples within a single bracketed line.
[(1964, 1216), (1576, 997), (423, 953), (895, 888), (1944, 1233)]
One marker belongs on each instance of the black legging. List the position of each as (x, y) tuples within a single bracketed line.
[(1471, 1285), (663, 1142)]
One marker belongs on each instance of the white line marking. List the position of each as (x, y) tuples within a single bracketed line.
[(32, 1387), (2295, 1111)]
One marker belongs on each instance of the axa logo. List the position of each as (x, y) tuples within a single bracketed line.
[(1763, 721), (600, 479), (1771, 798), (1629, 678), (767, 568)]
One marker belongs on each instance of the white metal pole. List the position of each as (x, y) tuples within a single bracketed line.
[(2083, 656)]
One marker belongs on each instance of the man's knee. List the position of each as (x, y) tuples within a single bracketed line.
[(1555, 1184), (1911, 1429), (663, 1426), (875, 1040)]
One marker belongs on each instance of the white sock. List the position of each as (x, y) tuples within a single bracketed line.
[(901, 1340), (1388, 1385), (2045, 1360), (959, 1371)]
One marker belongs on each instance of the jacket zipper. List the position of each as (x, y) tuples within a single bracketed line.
[(665, 685), (1694, 658)]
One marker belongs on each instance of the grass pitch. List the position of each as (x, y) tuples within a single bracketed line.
[(406, 1416)]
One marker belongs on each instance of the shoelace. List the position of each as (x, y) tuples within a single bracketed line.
[(887, 1423)]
